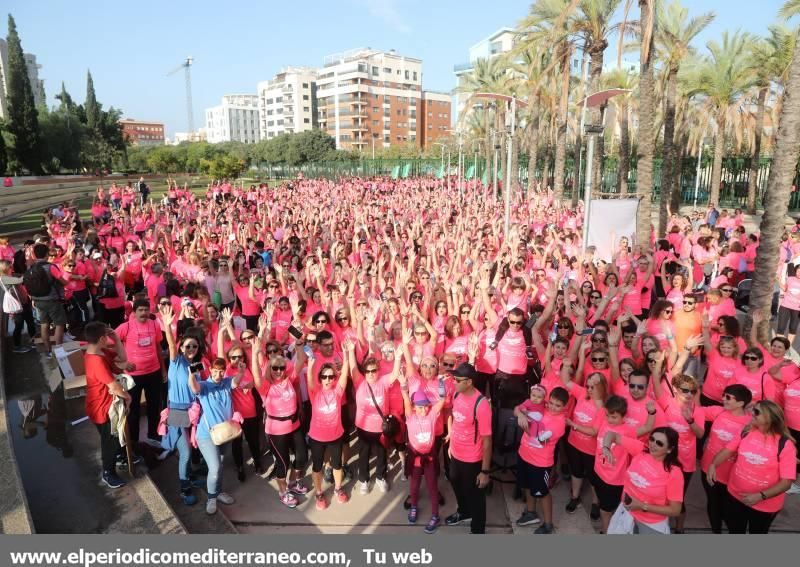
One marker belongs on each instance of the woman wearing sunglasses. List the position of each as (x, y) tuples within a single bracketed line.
[(183, 354), (659, 323), (723, 365), (244, 402), (654, 486), (764, 469), (753, 374), (280, 392), (727, 422), (683, 415), (326, 430), (774, 354)]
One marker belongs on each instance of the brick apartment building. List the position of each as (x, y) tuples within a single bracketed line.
[(143, 133), (368, 98)]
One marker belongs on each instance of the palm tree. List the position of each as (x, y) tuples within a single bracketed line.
[(720, 81), (621, 79), (646, 145), (673, 42), (769, 59), (779, 187)]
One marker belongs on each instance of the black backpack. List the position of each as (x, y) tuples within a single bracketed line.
[(38, 280), (107, 287)]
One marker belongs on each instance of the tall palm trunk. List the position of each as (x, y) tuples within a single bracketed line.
[(667, 185), (533, 149), (719, 149), (599, 152), (561, 135), (488, 150), (596, 113), (752, 187), (624, 147), (644, 184), (776, 198)]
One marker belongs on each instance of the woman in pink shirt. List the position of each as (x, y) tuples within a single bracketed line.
[(245, 404), (654, 488), (326, 395), (660, 326), (789, 309), (726, 424), (765, 466), (280, 394), (723, 365)]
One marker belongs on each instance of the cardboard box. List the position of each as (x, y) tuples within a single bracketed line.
[(70, 361), (75, 387)]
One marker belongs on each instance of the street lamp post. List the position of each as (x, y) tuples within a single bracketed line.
[(507, 217), (697, 176)]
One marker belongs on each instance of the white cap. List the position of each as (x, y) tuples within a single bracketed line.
[(96, 255)]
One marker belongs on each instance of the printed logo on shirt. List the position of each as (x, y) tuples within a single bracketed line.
[(286, 394), (791, 393), (327, 408), (423, 437), (754, 458), (631, 421), (378, 399), (679, 427), (724, 435), (458, 417), (534, 416), (583, 417), (638, 480)]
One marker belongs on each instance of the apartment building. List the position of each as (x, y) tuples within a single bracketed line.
[(435, 117), (141, 133), (368, 97), (235, 119), (37, 84), (288, 102)]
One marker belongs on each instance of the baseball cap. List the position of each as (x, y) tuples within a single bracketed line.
[(420, 399), (96, 255), (464, 370)]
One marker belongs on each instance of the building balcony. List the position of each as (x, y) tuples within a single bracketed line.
[(360, 128), (463, 67)]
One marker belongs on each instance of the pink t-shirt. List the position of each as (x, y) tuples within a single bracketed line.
[(538, 444), (421, 431), (758, 466), (141, 342), (249, 307), (648, 481), (791, 402), (609, 473), (433, 389), (636, 416), (585, 414), (511, 353), (464, 446), (721, 372), (326, 414), (687, 441), (367, 416), (725, 428), (791, 297), (242, 396), (280, 400), (760, 383)]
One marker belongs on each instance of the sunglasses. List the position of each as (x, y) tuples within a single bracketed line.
[(420, 333), (751, 357), (465, 312), (600, 359), (595, 296), (657, 442), (667, 311), (272, 286), (688, 302), (460, 380), (191, 347), (236, 357), (278, 368), (163, 303), (598, 339), (637, 386), (326, 344), (326, 376), (448, 364), (726, 290), (516, 322), (272, 350), (370, 370), (321, 322), (428, 365), (729, 398), (689, 391), (343, 318)]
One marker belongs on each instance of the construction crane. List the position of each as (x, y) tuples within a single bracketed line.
[(186, 66)]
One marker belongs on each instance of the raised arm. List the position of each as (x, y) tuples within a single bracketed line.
[(167, 317)]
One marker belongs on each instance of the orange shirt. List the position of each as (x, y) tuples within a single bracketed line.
[(687, 324)]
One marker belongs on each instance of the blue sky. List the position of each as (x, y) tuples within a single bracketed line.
[(130, 46)]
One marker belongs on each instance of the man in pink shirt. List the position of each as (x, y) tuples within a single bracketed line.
[(470, 449), (141, 337)]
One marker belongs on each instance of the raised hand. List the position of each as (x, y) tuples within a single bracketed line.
[(167, 314)]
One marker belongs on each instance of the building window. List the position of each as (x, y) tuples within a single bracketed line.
[(269, 113), (305, 85), (375, 71), (415, 75), (430, 126), (305, 97), (387, 98), (399, 113), (430, 115), (387, 70), (306, 120), (387, 138), (407, 75), (280, 122), (271, 123), (305, 109), (279, 99), (375, 109)]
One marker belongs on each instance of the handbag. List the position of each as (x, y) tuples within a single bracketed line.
[(11, 303), (224, 431), (178, 418), (622, 522), (390, 425)]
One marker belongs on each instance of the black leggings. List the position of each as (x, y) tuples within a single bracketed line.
[(282, 445), (715, 503), (151, 384), (250, 431), (318, 453), (471, 499), (370, 442), (742, 519), (24, 317), (109, 447), (787, 321)]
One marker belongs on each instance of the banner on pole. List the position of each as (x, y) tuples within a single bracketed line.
[(608, 221), (396, 172)]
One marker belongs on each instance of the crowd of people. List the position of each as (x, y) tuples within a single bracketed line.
[(358, 319)]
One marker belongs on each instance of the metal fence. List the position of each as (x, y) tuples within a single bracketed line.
[(733, 190)]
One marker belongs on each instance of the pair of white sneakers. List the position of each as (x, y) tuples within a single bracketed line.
[(222, 498), (383, 486)]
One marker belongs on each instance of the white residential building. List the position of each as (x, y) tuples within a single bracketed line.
[(197, 136), (236, 119), (37, 85), (288, 102), (370, 97)]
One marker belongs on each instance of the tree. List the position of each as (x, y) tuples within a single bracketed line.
[(621, 79), (23, 119), (313, 145), (91, 106), (646, 145), (3, 154), (673, 42), (769, 59), (779, 188), (721, 79)]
